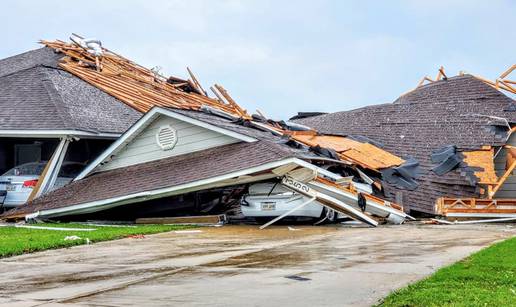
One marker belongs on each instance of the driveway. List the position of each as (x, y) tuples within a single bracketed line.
[(240, 265)]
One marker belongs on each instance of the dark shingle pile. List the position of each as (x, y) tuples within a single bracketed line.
[(461, 111), (35, 94)]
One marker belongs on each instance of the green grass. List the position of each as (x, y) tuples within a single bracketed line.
[(486, 278), (15, 241)]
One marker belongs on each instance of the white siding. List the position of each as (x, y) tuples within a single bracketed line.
[(508, 189), (143, 148)]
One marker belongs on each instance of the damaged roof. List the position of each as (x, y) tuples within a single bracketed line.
[(37, 95), (461, 111), (261, 140), (155, 175), (139, 87)]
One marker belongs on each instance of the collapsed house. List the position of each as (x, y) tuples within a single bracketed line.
[(459, 132), (193, 151)]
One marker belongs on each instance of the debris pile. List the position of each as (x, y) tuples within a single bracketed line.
[(137, 86)]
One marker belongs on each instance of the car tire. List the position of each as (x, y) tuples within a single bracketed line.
[(330, 214)]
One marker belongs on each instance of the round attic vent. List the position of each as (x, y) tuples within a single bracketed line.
[(166, 137)]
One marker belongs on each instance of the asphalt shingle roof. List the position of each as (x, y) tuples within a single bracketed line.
[(159, 174), (35, 94), (461, 111)]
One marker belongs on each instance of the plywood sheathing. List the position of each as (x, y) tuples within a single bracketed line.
[(363, 154), (135, 85), (483, 163)]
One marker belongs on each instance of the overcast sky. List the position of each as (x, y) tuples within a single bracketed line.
[(285, 56)]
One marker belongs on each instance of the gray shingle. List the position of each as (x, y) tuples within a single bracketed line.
[(38, 57), (35, 94), (159, 174), (461, 111)]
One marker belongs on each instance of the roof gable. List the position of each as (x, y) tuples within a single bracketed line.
[(139, 144)]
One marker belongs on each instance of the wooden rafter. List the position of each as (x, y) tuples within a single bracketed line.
[(135, 85), (502, 179), (501, 83), (445, 205)]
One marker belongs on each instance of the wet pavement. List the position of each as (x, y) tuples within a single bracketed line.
[(241, 265)]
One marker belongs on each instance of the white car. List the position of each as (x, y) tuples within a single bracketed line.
[(269, 200), (17, 184)]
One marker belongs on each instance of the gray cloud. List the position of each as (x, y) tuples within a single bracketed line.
[(284, 56)]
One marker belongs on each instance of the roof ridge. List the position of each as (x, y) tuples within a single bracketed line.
[(28, 59), (22, 70), (402, 99), (54, 95)]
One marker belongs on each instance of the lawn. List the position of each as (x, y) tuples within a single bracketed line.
[(15, 241), (486, 278)]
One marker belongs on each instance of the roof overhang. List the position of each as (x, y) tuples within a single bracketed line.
[(145, 121), (42, 133)]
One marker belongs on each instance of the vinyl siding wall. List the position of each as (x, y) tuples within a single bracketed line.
[(508, 189), (143, 148)]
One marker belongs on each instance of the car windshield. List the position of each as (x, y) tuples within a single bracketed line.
[(70, 170), (27, 169)]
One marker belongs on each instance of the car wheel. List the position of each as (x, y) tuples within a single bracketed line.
[(328, 216), (331, 215)]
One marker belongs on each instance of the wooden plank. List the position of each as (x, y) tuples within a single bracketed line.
[(197, 83), (135, 85), (503, 178), (197, 220)]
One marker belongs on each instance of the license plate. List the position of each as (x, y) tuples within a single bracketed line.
[(10, 187), (268, 206)]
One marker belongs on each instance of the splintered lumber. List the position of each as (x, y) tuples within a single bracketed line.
[(232, 103), (217, 94), (135, 85), (196, 82), (508, 71), (501, 83), (363, 154), (197, 220)]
